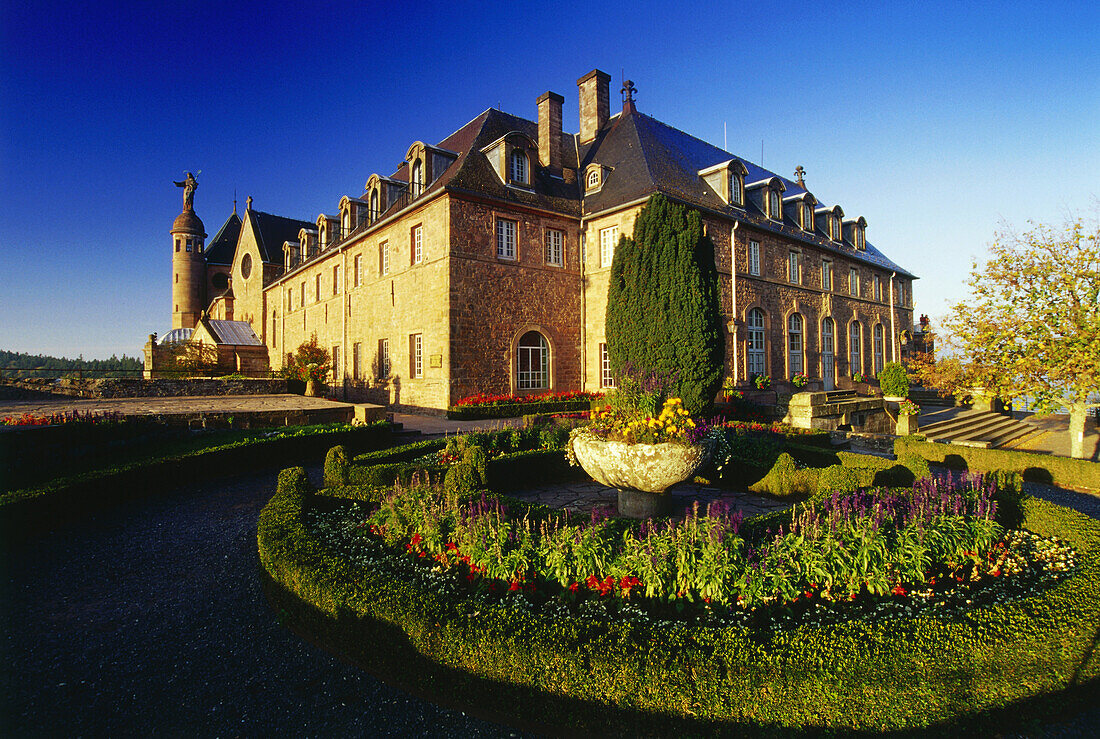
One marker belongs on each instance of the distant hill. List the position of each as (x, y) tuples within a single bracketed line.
[(24, 364)]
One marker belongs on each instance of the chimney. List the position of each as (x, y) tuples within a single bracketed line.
[(595, 105), (550, 131)]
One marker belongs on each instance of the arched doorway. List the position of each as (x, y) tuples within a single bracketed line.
[(533, 362), (828, 352)]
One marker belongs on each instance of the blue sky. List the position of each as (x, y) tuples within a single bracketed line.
[(934, 121)]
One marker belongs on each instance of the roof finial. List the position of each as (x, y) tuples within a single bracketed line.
[(234, 201), (628, 96), (248, 203), (799, 173)]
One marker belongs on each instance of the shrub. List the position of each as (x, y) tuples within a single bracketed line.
[(293, 483), (894, 380), (663, 309), (337, 468), (785, 479), (475, 457), (461, 480), (837, 478), (456, 445), (553, 437)]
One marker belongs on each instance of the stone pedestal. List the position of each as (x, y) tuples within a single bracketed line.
[(641, 505), (907, 424)]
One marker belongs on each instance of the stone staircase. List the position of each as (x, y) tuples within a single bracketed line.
[(979, 429), (923, 397)]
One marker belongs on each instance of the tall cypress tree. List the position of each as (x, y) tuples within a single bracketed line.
[(662, 303)]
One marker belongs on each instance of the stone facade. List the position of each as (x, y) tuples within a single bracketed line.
[(480, 265)]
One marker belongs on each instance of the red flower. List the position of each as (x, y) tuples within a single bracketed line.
[(515, 586), (416, 540), (899, 590), (573, 588)]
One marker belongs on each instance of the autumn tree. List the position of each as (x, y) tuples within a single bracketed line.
[(1031, 326), (662, 303)]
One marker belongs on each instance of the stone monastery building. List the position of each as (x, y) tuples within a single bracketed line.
[(481, 264)]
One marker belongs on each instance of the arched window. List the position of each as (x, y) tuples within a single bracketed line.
[(794, 344), (756, 342), (533, 362), (593, 179), (855, 340), (828, 352), (775, 205), (879, 342), (807, 217), (737, 189), (416, 180), (374, 205), (519, 166)]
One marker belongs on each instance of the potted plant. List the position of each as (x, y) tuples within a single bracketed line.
[(761, 382), (908, 411), (799, 379), (894, 381), (639, 450)]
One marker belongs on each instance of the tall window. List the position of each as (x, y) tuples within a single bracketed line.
[(807, 217), (302, 295), (792, 268), (383, 368), (606, 378), (345, 222), (384, 258), (836, 233), (289, 298), (878, 287), (775, 211), (374, 205), (519, 166), (826, 274), (336, 364), (356, 361), (737, 189), (416, 355), (754, 257), (879, 343), (794, 343), (853, 282), (317, 286), (533, 362), (506, 239), (358, 269), (335, 279), (609, 238), (858, 238), (416, 180), (855, 341), (553, 247), (828, 351), (756, 342), (417, 240)]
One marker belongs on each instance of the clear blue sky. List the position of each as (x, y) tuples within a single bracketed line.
[(935, 122)]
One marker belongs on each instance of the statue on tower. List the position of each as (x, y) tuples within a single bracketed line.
[(188, 185)]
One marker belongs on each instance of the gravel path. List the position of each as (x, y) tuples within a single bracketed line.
[(149, 620)]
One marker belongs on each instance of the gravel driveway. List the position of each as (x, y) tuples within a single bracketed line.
[(149, 620)]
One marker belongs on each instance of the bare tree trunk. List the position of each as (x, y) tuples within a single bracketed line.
[(1078, 412)]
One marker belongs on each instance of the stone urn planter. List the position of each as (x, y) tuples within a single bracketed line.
[(640, 472)]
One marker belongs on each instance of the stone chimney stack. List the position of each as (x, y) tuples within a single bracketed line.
[(595, 104), (550, 131)]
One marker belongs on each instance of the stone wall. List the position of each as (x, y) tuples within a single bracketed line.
[(158, 388)]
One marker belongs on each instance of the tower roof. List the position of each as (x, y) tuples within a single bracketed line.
[(223, 246), (188, 222)]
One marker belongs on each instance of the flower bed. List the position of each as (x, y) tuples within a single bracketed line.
[(876, 662), (484, 406)]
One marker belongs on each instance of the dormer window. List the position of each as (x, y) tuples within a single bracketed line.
[(835, 231), (737, 189), (858, 238), (416, 178), (593, 180), (374, 206), (775, 205), (807, 217), (519, 167)]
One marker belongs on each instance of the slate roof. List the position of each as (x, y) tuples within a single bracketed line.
[(272, 230), (647, 156), (223, 246), (237, 333)]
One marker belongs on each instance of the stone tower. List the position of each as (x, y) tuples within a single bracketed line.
[(188, 261)]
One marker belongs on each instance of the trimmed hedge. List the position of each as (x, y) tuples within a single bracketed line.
[(894, 673), (515, 410), (1045, 468)]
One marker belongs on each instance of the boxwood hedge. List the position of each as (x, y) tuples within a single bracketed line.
[(578, 674)]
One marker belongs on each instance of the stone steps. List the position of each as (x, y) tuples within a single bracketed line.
[(978, 429)]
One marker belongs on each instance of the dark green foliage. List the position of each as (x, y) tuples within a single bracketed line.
[(894, 380), (294, 483), (1010, 497), (871, 676), (553, 437), (1046, 468), (337, 468), (786, 479), (456, 445), (386, 475), (838, 478), (917, 465), (662, 303), (522, 469), (461, 480), (475, 457)]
